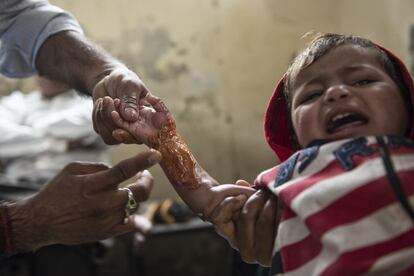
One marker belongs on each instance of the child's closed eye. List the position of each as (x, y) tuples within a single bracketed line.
[(362, 82)]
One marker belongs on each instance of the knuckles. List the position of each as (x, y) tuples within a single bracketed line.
[(109, 140), (246, 215)]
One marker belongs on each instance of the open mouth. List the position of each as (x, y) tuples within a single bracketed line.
[(345, 120)]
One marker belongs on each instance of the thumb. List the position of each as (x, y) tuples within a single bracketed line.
[(126, 86)]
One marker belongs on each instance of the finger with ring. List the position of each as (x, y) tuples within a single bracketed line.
[(130, 206)]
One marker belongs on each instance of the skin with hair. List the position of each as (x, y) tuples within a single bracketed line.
[(49, 88), (88, 68)]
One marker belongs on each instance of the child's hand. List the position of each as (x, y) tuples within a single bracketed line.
[(222, 218), (249, 225), (153, 116)]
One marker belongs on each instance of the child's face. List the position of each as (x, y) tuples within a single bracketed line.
[(346, 93)]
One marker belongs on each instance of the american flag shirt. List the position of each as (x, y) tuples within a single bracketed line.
[(348, 208)]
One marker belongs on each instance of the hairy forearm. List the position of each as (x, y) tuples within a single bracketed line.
[(71, 58), (189, 179)]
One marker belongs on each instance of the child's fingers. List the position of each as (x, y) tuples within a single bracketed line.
[(223, 191), (159, 106), (222, 215), (117, 104), (116, 117), (242, 182), (226, 231), (151, 99), (123, 136), (224, 211), (102, 119)]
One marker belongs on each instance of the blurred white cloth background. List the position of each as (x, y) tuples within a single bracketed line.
[(39, 136)]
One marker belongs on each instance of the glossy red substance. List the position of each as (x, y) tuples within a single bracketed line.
[(177, 161)]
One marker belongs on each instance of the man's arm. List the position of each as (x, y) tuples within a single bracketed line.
[(37, 37), (89, 68), (70, 57)]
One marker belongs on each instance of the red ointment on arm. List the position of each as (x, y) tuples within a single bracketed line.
[(196, 187), (177, 162)]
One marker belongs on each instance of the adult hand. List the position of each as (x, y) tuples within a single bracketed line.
[(256, 228), (125, 85), (82, 203), (249, 225), (71, 58)]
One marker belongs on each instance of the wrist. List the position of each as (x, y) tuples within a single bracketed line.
[(7, 242), (22, 226), (107, 67)]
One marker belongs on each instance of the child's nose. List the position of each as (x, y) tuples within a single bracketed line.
[(336, 93)]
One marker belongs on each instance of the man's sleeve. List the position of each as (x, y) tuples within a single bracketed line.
[(24, 26)]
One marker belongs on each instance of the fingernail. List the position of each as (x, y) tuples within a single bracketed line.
[(241, 197), (131, 113), (117, 135), (154, 157)]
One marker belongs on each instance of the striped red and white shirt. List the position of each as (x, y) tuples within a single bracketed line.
[(348, 208)]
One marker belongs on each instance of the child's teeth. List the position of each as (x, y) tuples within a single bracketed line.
[(340, 116)]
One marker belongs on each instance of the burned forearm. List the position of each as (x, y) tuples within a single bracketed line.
[(71, 58), (188, 178)]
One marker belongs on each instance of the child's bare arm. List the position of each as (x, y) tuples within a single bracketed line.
[(156, 128)]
